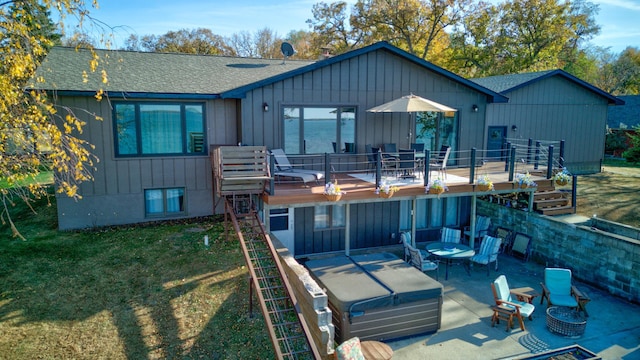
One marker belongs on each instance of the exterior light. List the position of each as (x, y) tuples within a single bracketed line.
[(514, 128), (474, 108), (265, 107)]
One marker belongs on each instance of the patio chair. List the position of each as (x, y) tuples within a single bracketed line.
[(507, 237), (390, 158), (450, 235), (284, 168), (558, 290), (422, 263), (418, 147), (521, 246), (349, 147), (488, 253), (440, 163), (407, 163), (482, 228), (507, 299), (405, 238)]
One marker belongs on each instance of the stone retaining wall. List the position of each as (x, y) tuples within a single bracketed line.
[(601, 259)]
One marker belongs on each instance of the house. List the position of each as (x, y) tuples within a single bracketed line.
[(551, 104), (627, 116), (165, 111)]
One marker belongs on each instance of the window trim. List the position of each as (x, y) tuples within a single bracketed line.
[(330, 210), (183, 128), (164, 212)]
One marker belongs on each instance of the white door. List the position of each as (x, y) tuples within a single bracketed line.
[(281, 226)]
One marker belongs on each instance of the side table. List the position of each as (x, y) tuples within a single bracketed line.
[(525, 294), (376, 350)]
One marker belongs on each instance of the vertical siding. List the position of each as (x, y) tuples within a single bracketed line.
[(365, 81), (116, 196), (557, 109)]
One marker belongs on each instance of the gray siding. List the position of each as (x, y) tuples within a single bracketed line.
[(364, 82), (116, 196), (557, 109), (371, 225)]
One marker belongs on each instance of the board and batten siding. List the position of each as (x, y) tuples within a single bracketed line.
[(555, 109), (116, 196), (371, 225), (364, 81)]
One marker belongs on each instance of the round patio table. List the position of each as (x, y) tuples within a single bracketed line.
[(449, 252)]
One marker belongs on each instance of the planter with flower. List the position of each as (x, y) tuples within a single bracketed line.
[(562, 178), (332, 191), (525, 181), (485, 183), (437, 186), (386, 190)]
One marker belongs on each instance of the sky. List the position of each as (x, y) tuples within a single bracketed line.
[(619, 19)]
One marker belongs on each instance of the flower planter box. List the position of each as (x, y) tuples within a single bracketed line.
[(386, 195), (333, 197)]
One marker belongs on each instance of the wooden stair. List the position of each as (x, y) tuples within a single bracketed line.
[(552, 202)]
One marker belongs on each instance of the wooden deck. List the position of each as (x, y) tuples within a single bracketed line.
[(296, 194)]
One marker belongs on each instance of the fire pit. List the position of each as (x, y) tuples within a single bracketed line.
[(565, 321)]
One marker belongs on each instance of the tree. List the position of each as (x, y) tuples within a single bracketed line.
[(521, 35), (35, 135), (263, 44), (633, 153), (198, 41)]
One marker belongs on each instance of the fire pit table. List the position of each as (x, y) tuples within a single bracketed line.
[(565, 321)]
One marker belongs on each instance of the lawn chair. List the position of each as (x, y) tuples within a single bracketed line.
[(506, 303), (422, 263), (488, 253), (450, 235), (558, 290), (405, 238), (440, 162), (521, 246), (284, 168), (507, 238), (482, 228)]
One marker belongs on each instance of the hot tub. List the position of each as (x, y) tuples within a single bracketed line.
[(378, 296)]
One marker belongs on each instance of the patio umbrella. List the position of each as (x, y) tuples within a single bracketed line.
[(410, 104)]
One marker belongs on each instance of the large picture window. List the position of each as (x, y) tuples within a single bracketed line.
[(316, 130), (435, 129), (159, 129)]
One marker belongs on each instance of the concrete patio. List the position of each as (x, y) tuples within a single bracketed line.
[(612, 330)]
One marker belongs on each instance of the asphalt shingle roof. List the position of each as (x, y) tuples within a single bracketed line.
[(506, 83), (160, 73), (501, 83), (626, 116)]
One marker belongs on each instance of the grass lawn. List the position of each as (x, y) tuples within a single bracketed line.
[(143, 292)]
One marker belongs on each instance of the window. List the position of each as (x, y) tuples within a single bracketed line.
[(329, 217), (316, 130), (159, 129), (163, 202), (435, 129), (430, 213)]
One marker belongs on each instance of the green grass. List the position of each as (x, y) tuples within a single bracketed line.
[(619, 163), (45, 178), (140, 292)]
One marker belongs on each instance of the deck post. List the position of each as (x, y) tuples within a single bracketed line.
[(507, 153), (427, 166), (378, 167), (536, 164), (414, 208), (550, 162), (327, 168), (347, 226), (472, 167), (272, 166), (512, 161), (574, 192), (561, 154), (472, 225)]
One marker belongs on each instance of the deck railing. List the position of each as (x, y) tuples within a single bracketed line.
[(518, 156)]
